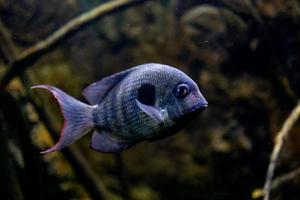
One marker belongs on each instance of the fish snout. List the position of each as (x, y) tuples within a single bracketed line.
[(200, 106)]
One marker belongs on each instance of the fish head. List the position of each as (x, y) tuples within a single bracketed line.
[(177, 102), (167, 94), (184, 100)]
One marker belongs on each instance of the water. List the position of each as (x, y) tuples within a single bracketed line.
[(244, 55)]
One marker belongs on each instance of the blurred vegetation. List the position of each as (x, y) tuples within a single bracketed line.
[(244, 54)]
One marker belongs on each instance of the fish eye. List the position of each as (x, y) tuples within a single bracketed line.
[(182, 91)]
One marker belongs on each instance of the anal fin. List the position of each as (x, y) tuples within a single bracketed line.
[(102, 141)]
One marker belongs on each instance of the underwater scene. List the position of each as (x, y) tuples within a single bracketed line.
[(150, 99)]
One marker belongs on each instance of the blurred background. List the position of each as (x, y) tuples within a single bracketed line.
[(244, 55)]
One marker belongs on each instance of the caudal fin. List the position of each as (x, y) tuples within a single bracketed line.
[(77, 115)]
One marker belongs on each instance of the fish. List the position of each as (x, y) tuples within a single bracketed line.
[(147, 102)]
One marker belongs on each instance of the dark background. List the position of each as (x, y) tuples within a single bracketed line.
[(243, 54)]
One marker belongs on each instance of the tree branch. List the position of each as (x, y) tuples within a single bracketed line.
[(7, 47), (30, 55), (19, 63), (277, 183), (85, 174), (279, 141), (284, 178)]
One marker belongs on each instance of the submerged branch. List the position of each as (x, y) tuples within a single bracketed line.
[(20, 62), (30, 55), (7, 47), (284, 178), (279, 141), (85, 174), (277, 183)]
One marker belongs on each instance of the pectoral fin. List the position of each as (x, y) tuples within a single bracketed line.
[(102, 141), (153, 112)]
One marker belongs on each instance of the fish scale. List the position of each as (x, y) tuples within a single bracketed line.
[(135, 123), (147, 102)]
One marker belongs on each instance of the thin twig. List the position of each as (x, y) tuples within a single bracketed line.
[(279, 141), (30, 55), (280, 180), (277, 183), (7, 47)]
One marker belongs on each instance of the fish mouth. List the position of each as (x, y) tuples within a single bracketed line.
[(199, 107), (184, 120)]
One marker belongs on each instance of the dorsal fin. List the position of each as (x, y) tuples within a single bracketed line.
[(95, 92)]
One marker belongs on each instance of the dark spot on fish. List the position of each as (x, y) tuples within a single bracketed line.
[(146, 94)]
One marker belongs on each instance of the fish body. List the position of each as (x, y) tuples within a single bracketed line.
[(147, 102)]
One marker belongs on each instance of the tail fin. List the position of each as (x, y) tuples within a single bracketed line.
[(77, 115)]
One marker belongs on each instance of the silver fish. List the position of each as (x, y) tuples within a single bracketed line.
[(147, 102)]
